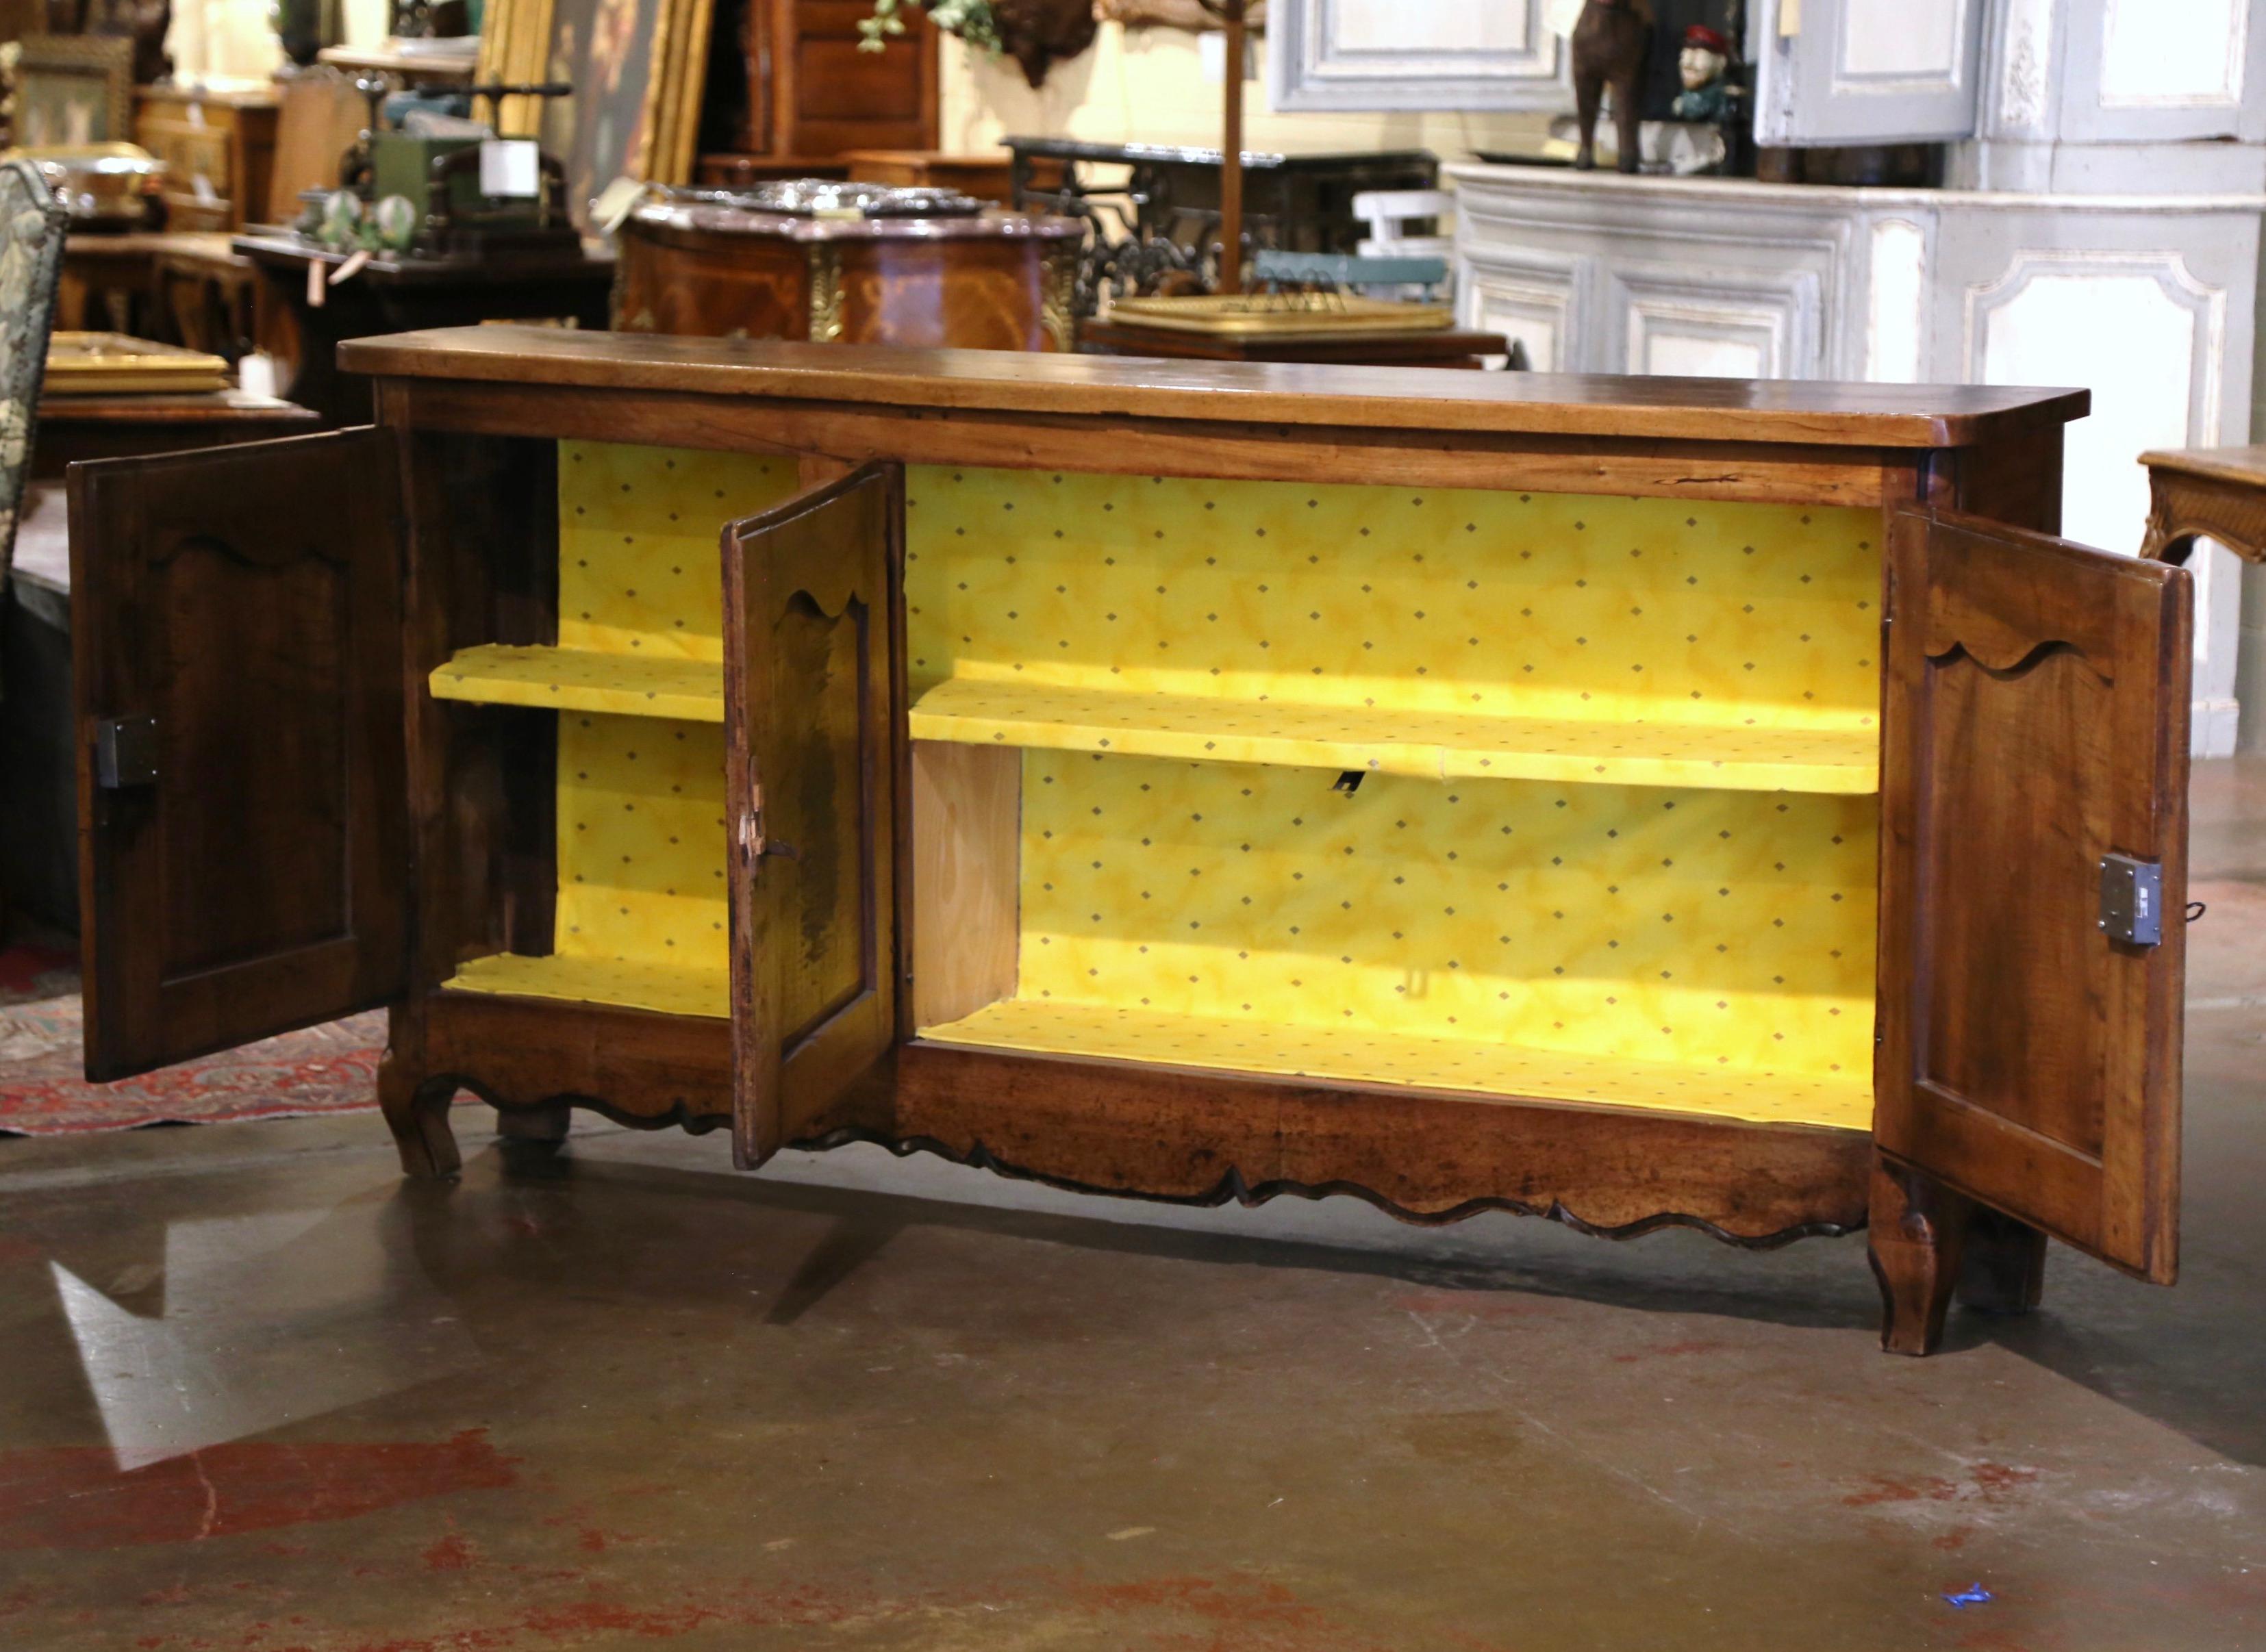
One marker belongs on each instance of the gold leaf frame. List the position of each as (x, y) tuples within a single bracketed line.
[(517, 48), (108, 59)]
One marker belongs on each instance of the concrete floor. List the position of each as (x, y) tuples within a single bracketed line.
[(257, 1392)]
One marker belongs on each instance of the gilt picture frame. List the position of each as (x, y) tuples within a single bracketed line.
[(638, 68), (73, 89)]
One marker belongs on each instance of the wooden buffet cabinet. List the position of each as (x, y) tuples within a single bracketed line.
[(1634, 801)]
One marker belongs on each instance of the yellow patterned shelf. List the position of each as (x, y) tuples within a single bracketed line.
[(670, 990), (1486, 1068), (585, 680), (1428, 744)]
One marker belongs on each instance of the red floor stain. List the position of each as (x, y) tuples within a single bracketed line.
[(1992, 1483), (1886, 1490), (1230, 1613), (1484, 1304), (1670, 1351), (73, 1497), (452, 1553), (1997, 1482), (1243, 1614)]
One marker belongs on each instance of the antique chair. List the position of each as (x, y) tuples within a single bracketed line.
[(32, 224)]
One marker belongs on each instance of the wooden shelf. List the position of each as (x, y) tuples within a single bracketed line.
[(582, 679), (1839, 1101), (1435, 745), (619, 982)]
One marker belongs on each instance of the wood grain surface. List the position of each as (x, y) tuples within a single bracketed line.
[(1288, 393)]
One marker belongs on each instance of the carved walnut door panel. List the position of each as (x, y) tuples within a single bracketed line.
[(2034, 880), (242, 793), (812, 758)]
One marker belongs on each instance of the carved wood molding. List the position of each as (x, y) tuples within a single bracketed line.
[(2183, 508), (675, 1116), (1232, 1186)]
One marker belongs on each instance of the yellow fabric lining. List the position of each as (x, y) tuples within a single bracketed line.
[(639, 530), (1725, 934), (582, 679), (1436, 745), (1279, 600), (1451, 1063), (1671, 932), (641, 913), (601, 980)]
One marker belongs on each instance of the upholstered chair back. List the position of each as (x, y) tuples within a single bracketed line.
[(31, 223)]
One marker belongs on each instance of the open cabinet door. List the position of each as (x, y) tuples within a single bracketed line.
[(2034, 880), (236, 619), (811, 721)]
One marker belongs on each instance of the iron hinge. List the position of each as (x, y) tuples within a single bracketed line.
[(126, 752), (2132, 900)]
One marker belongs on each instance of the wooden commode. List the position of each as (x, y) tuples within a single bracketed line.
[(1638, 802)]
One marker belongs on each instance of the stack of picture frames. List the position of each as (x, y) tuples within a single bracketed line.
[(637, 67)]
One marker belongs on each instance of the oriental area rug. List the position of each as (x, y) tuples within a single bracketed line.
[(330, 1069)]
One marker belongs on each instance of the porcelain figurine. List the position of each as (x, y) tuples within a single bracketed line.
[(1709, 95)]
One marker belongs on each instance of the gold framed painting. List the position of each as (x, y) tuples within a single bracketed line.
[(638, 68), (112, 364), (73, 89)]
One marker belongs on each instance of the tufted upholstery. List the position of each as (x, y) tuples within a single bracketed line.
[(30, 263)]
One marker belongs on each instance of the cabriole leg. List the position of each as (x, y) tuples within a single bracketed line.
[(2003, 1269), (416, 1109), (1918, 1231)]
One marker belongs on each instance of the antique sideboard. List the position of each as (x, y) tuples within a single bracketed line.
[(1632, 801)]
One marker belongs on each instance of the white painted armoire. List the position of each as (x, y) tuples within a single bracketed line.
[(2107, 173)]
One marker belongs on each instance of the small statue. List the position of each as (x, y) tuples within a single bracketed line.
[(1609, 43), (1708, 97)]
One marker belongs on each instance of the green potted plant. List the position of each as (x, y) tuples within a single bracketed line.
[(1033, 32)]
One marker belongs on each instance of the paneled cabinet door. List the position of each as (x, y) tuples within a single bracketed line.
[(1348, 55), (1866, 71), (2034, 880), (812, 715), (243, 814)]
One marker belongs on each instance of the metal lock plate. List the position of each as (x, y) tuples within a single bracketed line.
[(126, 752), (2132, 900)]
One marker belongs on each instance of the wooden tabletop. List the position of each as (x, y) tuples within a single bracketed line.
[(202, 251), (2244, 466), (1387, 345), (214, 406), (121, 244), (388, 59), (571, 262), (1692, 409)]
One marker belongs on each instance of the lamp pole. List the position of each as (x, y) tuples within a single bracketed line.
[(1231, 159)]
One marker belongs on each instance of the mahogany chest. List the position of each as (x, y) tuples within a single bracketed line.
[(724, 266)]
